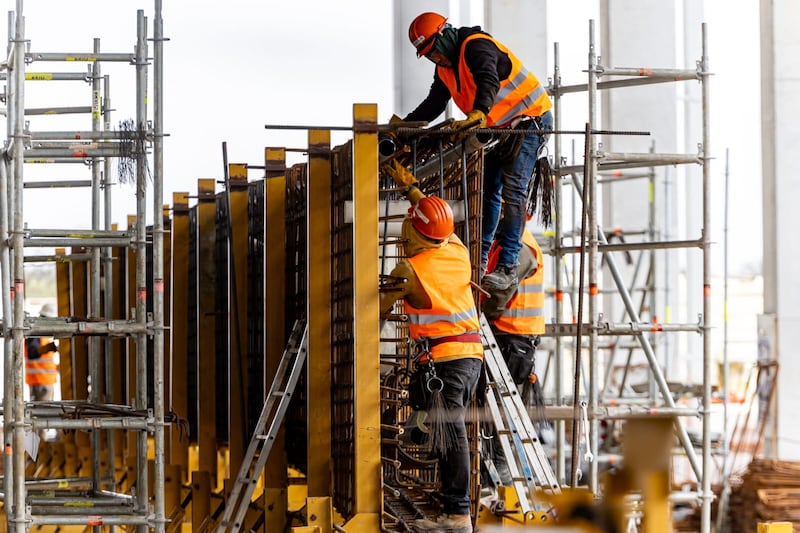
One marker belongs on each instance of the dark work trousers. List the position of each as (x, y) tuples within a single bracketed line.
[(460, 379)]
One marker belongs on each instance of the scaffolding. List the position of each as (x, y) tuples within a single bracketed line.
[(92, 310), (657, 397)]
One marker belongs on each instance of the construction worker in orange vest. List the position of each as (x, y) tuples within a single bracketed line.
[(517, 321), (435, 287), (492, 87), (41, 366), (517, 316)]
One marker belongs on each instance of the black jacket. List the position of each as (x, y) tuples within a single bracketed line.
[(488, 66)]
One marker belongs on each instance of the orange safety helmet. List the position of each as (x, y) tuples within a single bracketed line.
[(433, 218), (423, 31)]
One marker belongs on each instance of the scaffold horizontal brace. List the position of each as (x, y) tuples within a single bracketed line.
[(89, 57), (58, 327)]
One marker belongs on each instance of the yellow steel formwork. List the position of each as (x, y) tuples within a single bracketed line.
[(342, 253)]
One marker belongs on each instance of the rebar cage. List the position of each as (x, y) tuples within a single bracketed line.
[(409, 473)]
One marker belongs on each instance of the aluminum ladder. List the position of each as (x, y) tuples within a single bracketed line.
[(275, 406), (527, 461)]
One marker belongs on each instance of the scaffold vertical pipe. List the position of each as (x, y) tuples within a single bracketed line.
[(707, 496), (158, 266), (557, 258), (94, 308), (8, 346), (17, 101), (141, 257), (590, 181), (108, 285)]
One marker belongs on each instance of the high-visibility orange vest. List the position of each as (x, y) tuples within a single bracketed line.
[(42, 370), (524, 312), (520, 94), (444, 274)]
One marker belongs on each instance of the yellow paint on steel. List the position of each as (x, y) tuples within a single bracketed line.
[(319, 511), (180, 325), (64, 302), (275, 505), (275, 298), (368, 490), (80, 309), (319, 315), (363, 522), (201, 498), (130, 277), (118, 307), (237, 362), (647, 453), (167, 298), (206, 342), (774, 527)]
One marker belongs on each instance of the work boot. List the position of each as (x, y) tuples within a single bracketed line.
[(446, 523), (501, 278), (482, 271)]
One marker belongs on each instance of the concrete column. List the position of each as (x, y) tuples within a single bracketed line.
[(780, 112), (412, 76), (521, 25)]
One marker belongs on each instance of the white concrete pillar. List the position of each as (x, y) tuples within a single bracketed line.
[(521, 25), (413, 76), (780, 141)]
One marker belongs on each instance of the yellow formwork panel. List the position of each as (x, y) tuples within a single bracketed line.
[(237, 351), (774, 527), (319, 316), (368, 491)]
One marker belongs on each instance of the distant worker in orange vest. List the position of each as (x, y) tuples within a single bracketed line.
[(41, 366), (434, 282)]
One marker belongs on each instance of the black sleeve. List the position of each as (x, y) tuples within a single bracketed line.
[(486, 62), (32, 345), (433, 105)]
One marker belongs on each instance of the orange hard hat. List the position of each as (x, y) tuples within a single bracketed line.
[(433, 218), (423, 31)]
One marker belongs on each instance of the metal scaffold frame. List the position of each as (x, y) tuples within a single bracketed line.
[(96, 148), (583, 178)]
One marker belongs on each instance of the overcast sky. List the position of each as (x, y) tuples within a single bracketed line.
[(231, 67)]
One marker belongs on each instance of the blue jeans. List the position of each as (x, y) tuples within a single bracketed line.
[(460, 379), (508, 180)]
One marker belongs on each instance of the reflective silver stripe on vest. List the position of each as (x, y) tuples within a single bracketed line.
[(527, 101), (529, 288), (523, 312), (453, 318), (40, 371)]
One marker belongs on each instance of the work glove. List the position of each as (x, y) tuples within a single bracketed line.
[(475, 119), (399, 173)]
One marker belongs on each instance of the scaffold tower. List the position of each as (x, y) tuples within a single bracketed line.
[(104, 421)]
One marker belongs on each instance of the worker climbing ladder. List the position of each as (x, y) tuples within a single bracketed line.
[(275, 406), (528, 464)]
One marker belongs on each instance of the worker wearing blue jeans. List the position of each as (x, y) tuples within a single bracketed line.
[(505, 181)]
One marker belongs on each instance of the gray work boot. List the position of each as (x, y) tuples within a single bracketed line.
[(501, 278), (446, 523)]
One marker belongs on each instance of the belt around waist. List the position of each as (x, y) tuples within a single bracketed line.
[(463, 337)]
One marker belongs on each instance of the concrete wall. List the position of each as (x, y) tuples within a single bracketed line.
[(780, 112)]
